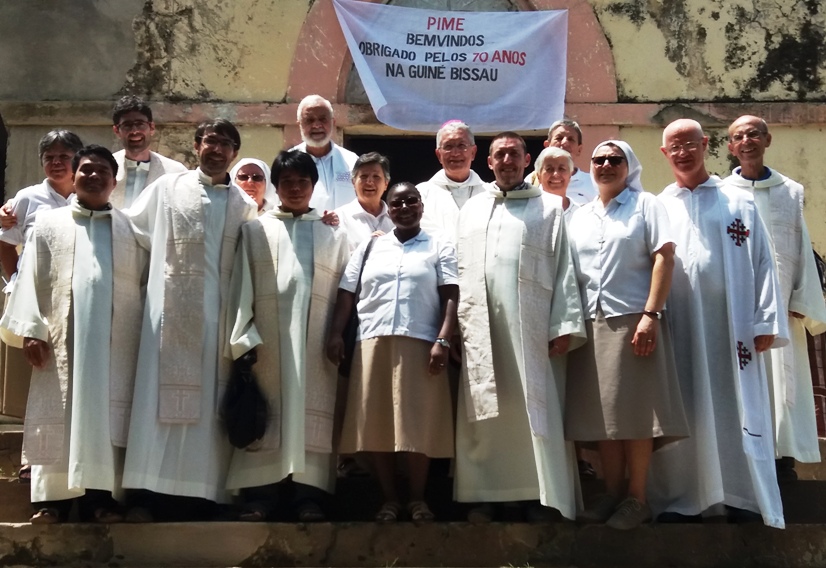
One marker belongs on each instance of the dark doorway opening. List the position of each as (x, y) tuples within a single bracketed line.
[(4, 142), (413, 158)]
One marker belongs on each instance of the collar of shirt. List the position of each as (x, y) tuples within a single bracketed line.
[(521, 191), (616, 202), (674, 190), (134, 165), (420, 238), (207, 180), (311, 215), (359, 211), (79, 210)]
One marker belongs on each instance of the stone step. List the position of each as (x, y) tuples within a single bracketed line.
[(208, 545)]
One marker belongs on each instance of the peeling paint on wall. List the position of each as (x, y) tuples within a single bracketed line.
[(717, 49)]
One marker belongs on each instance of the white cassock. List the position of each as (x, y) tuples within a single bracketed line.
[(281, 303), (182, 332), (519, 291), (728, 457), (443, 198), (78, 410), (780, 202), (133, 177)]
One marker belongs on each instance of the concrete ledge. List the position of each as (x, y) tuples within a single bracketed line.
[(452, 544)]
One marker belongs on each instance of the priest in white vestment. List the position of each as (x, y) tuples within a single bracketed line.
[(283, 291), (138, 166), (567, 135), (780, 202), (725, 312), (334, 163), (192, 222), (75, 303), (519, 313), (444, 194)]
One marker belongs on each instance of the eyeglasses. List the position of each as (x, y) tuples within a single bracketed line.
[(131, 125), (215, 142), (613, 160), (401, 202), (257, 178), (455, 148), (675, 149), (750, 135)]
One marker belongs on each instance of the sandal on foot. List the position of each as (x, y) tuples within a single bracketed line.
[(420, 512), (24, 474), (107, 516), (45, 516), (481, 514), (139, 515), (253, 513), (389, 512), (310, 512)]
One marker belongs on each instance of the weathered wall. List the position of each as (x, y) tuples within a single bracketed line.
[(716, 49), (634, 65)]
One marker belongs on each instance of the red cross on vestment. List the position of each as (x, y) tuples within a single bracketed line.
[(738, 232), (743, 354)]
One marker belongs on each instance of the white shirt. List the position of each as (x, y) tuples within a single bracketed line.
[(359, 224), (613, 248), (27, 203), (136, 176), (581, 189), (399, 286)]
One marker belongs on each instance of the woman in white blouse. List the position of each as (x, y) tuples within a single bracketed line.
[(399, 399), (367, 214), (622, 390)]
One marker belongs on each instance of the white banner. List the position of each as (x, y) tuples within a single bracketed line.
[(493, 70)]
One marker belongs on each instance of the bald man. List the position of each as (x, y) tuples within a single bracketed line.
[(725, 311), (780, 202)]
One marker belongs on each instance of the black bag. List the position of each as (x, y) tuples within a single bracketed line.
[(244, 408), (351, 329)]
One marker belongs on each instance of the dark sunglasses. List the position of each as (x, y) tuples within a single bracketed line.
[(613, 160), (247, 177)]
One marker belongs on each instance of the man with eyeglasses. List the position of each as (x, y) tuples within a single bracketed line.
[(138, 166), (725, 312), (448, 190), (520, 312), (190, 222), (334, 163), (567, 134), (780, 202)]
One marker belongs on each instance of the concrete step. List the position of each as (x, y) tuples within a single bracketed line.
[(209, 545)]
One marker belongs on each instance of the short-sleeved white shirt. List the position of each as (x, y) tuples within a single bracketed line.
[(27, 203), (358, 224), (399, 286), (581, 188), (613, 248)]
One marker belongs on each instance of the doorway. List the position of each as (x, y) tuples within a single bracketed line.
[(413, 158)]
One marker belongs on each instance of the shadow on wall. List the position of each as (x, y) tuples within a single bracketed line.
[(4, 143)]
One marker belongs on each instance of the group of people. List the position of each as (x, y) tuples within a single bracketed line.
[(497, 324)]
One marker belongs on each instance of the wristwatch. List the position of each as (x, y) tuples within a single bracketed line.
[(443, 342), (654, 315)]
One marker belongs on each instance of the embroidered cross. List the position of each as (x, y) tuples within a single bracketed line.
[(738, 232), (181, 398), (743, 354)]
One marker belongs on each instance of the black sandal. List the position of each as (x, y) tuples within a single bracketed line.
[(45, 516)]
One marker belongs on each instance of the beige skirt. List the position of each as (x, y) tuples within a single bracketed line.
[(393, 403), (612, 394)]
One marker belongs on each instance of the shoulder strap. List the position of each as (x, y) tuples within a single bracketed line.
[(363, 262)]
